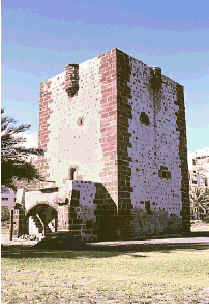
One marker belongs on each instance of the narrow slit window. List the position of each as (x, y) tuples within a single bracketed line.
[(147, 207), (72, 173)]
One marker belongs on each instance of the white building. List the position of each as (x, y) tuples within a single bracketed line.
[(7, 197), (198, 163)]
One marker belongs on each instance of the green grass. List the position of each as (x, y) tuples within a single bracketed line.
[(177, 276)]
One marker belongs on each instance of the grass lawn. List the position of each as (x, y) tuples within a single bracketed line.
[(170, 276)]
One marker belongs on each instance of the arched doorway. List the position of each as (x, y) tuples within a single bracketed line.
[(42, 219)]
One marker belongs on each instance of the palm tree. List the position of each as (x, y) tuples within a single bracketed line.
[(200, 203), (14, 162)]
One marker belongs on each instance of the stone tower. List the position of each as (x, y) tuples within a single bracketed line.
[(113, 130)]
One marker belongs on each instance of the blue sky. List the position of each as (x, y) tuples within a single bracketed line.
[(41, 37)]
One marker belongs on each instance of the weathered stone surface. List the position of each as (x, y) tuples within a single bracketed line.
[(116, 127)]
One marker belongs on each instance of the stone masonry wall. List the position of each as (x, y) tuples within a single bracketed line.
[(153, 145), (181, 123), (77, 204), (155, 166), (74, 126), (124, 171), (108, 125), (120, 124), (78, 128)]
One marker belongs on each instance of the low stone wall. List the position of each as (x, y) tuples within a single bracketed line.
[(86, 208)]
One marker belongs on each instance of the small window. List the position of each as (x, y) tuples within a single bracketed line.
[(4, 199), (144, 119), (147, 207), (80, 121), (193, 162), (163, 172)]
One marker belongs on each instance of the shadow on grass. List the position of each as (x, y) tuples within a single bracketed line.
[(98, 251)]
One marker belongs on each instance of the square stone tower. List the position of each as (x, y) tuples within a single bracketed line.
[(115, 121)]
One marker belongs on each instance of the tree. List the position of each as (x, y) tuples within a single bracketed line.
[(200, 203), (14, 161)]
